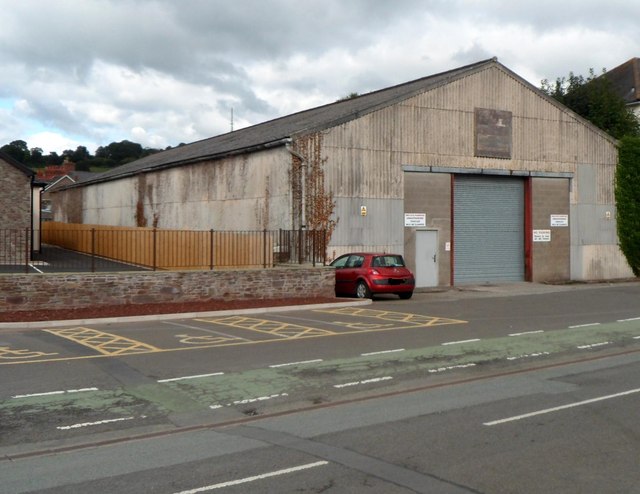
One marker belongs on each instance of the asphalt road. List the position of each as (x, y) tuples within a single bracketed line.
[(520, 388)]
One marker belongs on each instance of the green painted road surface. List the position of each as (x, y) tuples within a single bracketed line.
[(227, 396)]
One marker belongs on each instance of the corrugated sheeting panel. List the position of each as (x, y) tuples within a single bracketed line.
[(382, 229), (488, 229)]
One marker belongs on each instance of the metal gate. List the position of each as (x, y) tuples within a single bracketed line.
[(488, 229)]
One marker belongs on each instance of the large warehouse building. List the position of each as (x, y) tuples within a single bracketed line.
[(474, 175)]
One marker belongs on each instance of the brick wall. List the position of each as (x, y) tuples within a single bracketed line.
[(60, 291)]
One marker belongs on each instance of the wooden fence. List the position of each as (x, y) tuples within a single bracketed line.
[(164, 249)]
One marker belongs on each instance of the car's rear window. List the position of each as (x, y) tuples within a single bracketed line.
[(388, 261)]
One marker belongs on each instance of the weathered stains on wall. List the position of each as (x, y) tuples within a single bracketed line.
[(550, 260), (234, 193), (365, 157), (430, 193)]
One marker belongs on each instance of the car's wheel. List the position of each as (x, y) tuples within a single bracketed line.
[(362, 290), (405, 295)]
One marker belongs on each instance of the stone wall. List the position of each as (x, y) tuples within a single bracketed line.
[(15, 214), (15, 200), (77, 290)]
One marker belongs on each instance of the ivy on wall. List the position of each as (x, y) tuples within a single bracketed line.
[(313, 204)]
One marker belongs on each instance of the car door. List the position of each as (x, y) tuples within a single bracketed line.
[(351, 273)]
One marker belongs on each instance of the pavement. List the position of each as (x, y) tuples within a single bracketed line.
[(440, 293)]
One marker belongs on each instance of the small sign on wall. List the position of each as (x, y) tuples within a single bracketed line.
[(542, 235), (559, 220), (415, 219)]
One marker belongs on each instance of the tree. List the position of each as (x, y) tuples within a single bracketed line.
[(53, 159), (627, 192), (595, 99), (18, 150), (348, 96), (120, 152), (36, 159)]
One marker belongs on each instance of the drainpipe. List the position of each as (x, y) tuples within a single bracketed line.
[(303, 219)]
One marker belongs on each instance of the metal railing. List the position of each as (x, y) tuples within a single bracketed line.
[(65, 248)]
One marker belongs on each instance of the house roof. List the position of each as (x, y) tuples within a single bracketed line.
[(16, 164), (625, 80), (281, 130), (73, 177), (278, 131)]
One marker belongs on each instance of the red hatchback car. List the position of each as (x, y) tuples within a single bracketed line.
[(366, 274)]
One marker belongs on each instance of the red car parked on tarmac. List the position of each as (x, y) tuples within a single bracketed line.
[(364, 274)]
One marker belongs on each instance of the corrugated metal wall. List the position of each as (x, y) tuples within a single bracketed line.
[(488, 229), (248, 192), (436, 129)]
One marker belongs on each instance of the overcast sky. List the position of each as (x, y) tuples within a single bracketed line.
[(162, 72)]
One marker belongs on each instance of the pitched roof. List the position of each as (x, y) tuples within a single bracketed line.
[(16, 164), (281, 130), (278, 131), (625, 80)]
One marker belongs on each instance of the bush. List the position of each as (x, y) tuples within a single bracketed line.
[(627, 191)]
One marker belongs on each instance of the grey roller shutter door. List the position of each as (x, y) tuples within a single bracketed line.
[(488, 229)]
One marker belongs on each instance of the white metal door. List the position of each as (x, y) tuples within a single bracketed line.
[(426, 258)]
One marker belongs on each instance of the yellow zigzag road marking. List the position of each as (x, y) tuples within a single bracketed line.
[(105, 343)]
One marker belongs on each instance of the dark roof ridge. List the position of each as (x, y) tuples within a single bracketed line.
[(15, 163), (276, 131)]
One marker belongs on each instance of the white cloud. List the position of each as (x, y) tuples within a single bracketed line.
[(161, 72), (53, 142)]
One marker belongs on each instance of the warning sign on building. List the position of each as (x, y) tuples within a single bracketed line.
[(415, 219), (542, 235)]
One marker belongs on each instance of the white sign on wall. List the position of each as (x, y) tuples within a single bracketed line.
[(542, 235), (559, 220), (415, 219)]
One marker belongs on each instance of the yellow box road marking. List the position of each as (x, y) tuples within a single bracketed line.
[(105, 343), (186, 339), (283, 329), (413, 320)]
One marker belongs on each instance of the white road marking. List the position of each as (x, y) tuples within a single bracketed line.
[(296, 363), (563, 407), (38, 270), (255, 477), (460, 342), (206, 330), (249, 400), (627, 320), (190, 377), (584, 325), (451, 367), (366, 381), (50, 393), (90, 424), (381, 352), (528, 355), (593, 345), (527, 332), (636, 337), (259, 398)]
